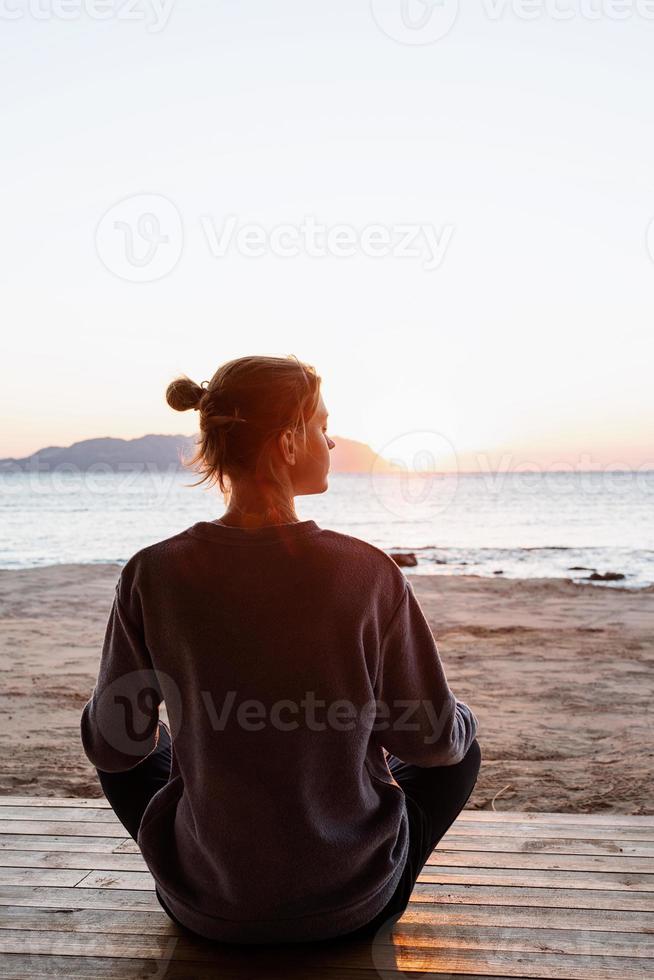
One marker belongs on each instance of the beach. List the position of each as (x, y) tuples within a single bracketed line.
[(558, 674)]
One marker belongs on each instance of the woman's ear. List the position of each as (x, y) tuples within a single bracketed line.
[(287, 446)]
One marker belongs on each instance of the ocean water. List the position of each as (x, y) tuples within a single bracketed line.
[(518, 525)]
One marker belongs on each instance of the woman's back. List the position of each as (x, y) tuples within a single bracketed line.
[(287, 656)]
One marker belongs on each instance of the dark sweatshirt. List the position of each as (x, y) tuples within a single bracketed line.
[(289, 658)]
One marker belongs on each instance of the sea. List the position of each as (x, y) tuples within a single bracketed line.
[(517, 525)]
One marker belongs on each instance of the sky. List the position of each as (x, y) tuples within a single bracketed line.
[(446, 210)]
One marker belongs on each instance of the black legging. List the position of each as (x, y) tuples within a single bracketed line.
[(434, 798)]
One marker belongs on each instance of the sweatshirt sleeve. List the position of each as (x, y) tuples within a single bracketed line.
[(419, 719), (119, 724)]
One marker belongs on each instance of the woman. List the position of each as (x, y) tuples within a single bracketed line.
[(316, 753)]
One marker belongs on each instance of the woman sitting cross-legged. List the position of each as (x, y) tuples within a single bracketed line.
[(316, 753)]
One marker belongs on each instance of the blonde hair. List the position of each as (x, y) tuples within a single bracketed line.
[(243, 409)]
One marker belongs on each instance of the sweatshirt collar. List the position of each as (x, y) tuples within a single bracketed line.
[(211, 531)]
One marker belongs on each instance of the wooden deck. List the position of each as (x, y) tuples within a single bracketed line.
[(504, 895)]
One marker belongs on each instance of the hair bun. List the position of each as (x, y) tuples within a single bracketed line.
[(183, 394)]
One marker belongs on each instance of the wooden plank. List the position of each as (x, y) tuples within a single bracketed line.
[(104, 968), (79, 898), (114, 921), (486, 817), (469, 814), (548, 816), (573, 942), (585, 830), (141, 921), (40, 876), (113, 828), (489, 844), (337, 954), (99, 801), (74, 813), (529, 878), (85, 861), (544, 845), (67, 829), (476, 828), (546, 966), (443, 875), (111, 860), (424, 892), (531, 917), (426, 937), (579, 898), (538, 860), (52, 842), (575, 830)]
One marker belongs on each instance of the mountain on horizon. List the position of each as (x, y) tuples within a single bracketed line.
[(162, 453)]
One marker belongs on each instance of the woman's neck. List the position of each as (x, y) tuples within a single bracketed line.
[(236, 516)]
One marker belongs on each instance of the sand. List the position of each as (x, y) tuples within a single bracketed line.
[(559, 675)]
